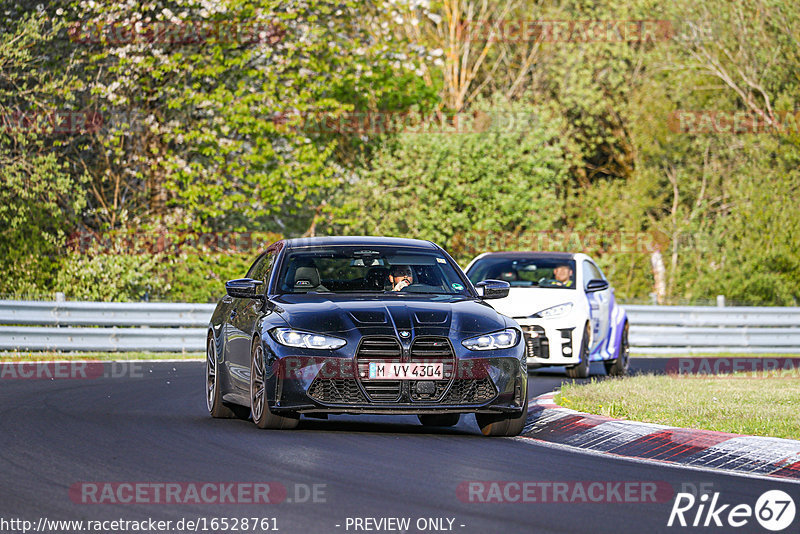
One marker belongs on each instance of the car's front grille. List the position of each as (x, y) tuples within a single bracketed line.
[(431, 350), (470, 391), (336, 391), (536, 343), (384, 349)]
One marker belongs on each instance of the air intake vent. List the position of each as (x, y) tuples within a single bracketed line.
[(336, 391), (536, 343), (471, 392)]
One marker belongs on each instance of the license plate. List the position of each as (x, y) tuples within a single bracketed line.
[(406, 371)]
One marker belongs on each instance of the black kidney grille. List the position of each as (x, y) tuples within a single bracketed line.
[(379, 349), (432, 350)]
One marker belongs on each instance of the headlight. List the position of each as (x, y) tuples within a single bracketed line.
[(555, 311), (306, 340), (496, 340)]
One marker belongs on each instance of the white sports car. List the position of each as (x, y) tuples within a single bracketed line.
[(565, 306)]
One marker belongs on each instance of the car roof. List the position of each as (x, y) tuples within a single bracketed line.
[(358, 241), (530, 254)]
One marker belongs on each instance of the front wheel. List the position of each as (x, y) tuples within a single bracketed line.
[(619, 367), (259, 406), (582, 369), (501, 424)]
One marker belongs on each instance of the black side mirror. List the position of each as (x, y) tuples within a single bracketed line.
[(493, 289), (245, 288), (596, 285)]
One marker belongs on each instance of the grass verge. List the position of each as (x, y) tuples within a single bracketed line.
[(96, 356), (741, 404)]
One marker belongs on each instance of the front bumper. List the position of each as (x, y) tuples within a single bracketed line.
[(551, 341), (331, 385)]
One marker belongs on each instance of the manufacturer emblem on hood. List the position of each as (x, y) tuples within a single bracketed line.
[(404, 334)]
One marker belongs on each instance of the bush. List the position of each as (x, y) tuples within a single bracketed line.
[(452, 187)]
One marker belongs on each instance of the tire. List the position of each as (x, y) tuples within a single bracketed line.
[(217, 408), (442, 419), (259, 406), (500, 424), (619, 367), (581, 370)]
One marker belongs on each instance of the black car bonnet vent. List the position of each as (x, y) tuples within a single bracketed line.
[(431, 317), (369, 317)]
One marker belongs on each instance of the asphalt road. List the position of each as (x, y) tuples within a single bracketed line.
[(150, 426)]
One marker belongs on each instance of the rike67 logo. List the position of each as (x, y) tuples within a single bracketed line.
[(774, 510)]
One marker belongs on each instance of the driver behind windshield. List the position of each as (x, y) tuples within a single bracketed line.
[(563, 276), (401, 276)]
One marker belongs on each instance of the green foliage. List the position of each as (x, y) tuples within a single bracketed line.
[(39, 199), (220, 124), (156, 265), (452, 188), (217, 135), (195, 277), (110, 277), (749, 253)]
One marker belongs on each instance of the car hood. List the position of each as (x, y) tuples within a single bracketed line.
[(385, 314), (525, 301)]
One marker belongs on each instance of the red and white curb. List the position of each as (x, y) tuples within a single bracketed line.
[(754, 455)]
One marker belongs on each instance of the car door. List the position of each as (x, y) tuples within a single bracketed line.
[(244, 315), (599, 304)]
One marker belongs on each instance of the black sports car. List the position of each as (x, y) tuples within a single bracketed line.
[(356, 325)]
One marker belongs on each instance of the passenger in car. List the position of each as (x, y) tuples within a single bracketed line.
[(401, 276)]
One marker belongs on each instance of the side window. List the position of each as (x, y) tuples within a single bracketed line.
[(256, 265), (599, 272), (264, 268), (590, 272)]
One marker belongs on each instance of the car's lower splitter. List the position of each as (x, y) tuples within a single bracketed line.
[(400, 410)]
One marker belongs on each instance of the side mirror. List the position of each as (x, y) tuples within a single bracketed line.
[(245, 288), (596, 285), (493, 289)]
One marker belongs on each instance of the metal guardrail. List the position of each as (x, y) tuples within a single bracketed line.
[(72, 313), (112, 339), (749, 316), (175, 327), (706, 329)]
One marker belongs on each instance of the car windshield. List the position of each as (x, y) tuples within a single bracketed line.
[(530, 272), (370, 269)]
